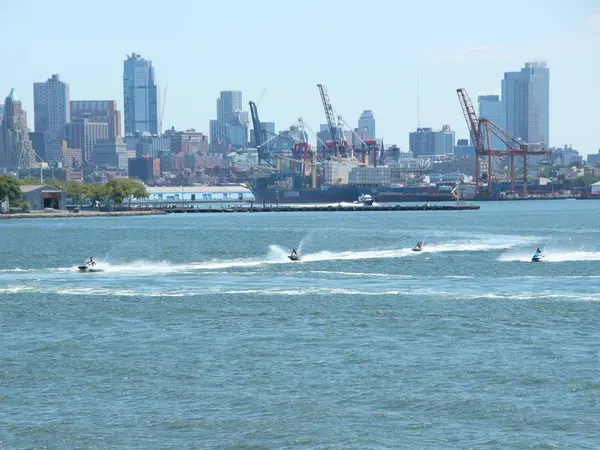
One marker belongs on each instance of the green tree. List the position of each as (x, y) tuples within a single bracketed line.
[(96, 192), (28, 182), (55, 182), (116, 190), (77, 191), (120, 189), (139, 191), (10, 187)]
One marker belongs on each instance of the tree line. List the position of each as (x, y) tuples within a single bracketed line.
[(115, 191)]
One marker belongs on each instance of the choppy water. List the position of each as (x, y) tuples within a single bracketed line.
[(202, 334)]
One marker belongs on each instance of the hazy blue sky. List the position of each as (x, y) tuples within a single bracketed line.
[(367, 53)]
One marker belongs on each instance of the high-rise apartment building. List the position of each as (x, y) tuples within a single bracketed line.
[(426, 142), (490, 107), (366, 123), (51, 106), (98, 111), (111, 153), (140, 95), (231, 126), (228, 103), (526, 103), (16, 150), (83, 134), (189, 142)]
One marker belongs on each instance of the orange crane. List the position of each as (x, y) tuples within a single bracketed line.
[(484, 149)]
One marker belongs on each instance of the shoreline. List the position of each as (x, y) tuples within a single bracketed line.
[(81, 214)]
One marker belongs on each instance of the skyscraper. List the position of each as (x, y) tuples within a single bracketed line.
[(367, 122), (228, 104), (98, 111), (426, 142), (51, 106), (83, 134), (490, 107), (231, 125), (16, 150), (526, 103), (140, 95)]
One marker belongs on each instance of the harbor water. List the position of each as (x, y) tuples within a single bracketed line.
[(201, 333)]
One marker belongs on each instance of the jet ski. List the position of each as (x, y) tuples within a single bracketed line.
[(417, 249), (538, 257), (89, 269), (294, 257)]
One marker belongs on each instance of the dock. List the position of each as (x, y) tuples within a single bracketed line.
[(234, 209), (327, 208)]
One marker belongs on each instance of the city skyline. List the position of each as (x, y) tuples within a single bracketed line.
[(471, 59)]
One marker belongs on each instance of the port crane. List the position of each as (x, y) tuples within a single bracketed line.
[(336, 140), (304, 164), (481, 131), (259, 138)]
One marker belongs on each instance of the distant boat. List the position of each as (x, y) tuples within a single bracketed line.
[(366, 199)]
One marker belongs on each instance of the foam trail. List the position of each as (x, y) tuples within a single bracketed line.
[(553, 256), (134, 267)]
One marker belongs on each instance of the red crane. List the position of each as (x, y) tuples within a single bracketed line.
[(475, 132), (514, 147)]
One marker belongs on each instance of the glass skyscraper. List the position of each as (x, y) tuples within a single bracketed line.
[(526, 103), (490, 107), (140, 95), (51, 106)]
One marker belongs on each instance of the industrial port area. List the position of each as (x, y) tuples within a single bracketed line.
[(346, 166), (243, 160)]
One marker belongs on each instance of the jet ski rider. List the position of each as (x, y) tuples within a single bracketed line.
[(91, 262), (419, 244), (294, 252)]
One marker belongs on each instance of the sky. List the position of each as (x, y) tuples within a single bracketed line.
[(369, 55)]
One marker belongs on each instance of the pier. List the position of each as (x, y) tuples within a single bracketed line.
[(326, 208), (234, 209)]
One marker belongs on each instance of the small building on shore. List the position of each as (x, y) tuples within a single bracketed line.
[(194, 196), (42, 197)]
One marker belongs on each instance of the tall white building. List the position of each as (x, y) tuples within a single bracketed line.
[(490, 107), (367, 123), (526, 103), (51, 109)]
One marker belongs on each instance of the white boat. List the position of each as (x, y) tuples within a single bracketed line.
[(365, 199)]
